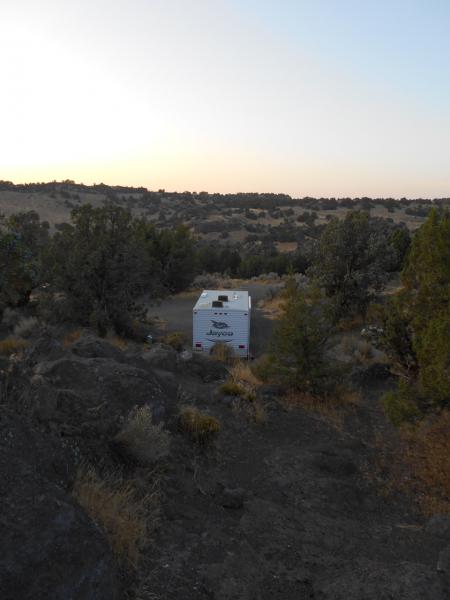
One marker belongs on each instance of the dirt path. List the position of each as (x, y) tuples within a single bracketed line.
[(281, 511)]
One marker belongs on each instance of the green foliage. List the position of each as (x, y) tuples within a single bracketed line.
[(351, 261), (106, 259), (400, 242), (433, 356), (298, 346), (173, 251), (101, 267), (417, 323), (401, 405), (22, 240)]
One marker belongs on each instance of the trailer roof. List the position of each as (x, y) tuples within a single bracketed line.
[(237, 299)]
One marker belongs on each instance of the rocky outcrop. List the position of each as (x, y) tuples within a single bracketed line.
[(49, 549)]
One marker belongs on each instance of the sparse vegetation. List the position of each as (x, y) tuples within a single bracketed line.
[(223, 352), (12, 345), (175, 339), (200, 427), (141, 440), (26, 327), (71, 337), (231, 388), (124, 515)]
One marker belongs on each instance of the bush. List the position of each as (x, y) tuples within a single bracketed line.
[(200, 427), (142, 440), (26, 326), (263, 368), (10, 346), (231, 388), (176, 339), (116, 507), (298, 347), (223, 352), (401, 405)]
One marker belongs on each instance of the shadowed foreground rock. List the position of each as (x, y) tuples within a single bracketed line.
[(49, 549)]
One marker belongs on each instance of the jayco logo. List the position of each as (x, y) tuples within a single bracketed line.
[(221, 326)]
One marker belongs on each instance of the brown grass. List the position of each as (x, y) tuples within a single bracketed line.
[(351, 323), (70, 338), (232, 388), (427, 457), (200, 427), (241, 373), (118, 342), (12, 345), (332, 408), (272, 307), (115, 506), (223, 352), (141, 439), (175, 339)]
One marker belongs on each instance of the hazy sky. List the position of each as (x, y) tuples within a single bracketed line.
[(332, 98)]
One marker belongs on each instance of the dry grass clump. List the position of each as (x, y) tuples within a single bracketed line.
[(223, 352), (70, 338), (241, 372), (117, 341), (176, 339), (360, 351), (262, 368), (142, 440), (117, 508), (232, 388), (243, 384), (201, 428), (330, 407), (12, 345), (427, 457), (26, 327)]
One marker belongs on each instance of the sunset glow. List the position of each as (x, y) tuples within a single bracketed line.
[(308, 98)]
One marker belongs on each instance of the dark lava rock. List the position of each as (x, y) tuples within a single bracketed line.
[(443, 564), (94, 347), (376, 581), (205, 367), (370, 375), (49, 548), (161, 356), (270, 391), (232, 498), (439, 525)]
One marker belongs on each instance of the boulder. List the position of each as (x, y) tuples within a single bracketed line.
[(94, 347), (161, 356), (439, 525), (205, 367), (49, 548)]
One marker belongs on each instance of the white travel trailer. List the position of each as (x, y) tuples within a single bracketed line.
[(222, 316)]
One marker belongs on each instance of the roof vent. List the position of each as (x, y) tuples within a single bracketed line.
[(204, 294), (222, 298), (217, 304)]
